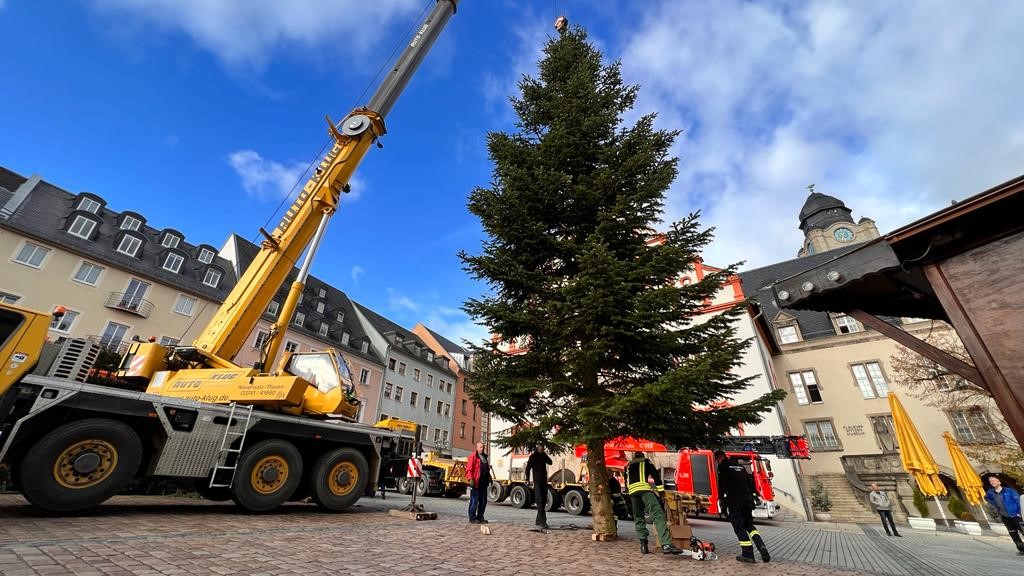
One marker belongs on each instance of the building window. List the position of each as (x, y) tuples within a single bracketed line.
[(130, 223), (206, 255), (426, 432), (398, 393), (185, 305), (885, 433), (846, 324), (31, 255), (822, 435), (430, 356), (463, 406), (426, 403), (89, 205), (170, 241), (82, 227), (212, 277), (320, 307), (290, 346), (7, 298), (462, 429), (323, 328), (129, 245), (448, 387), (440, 406), (261, 339), (788, 335), (64, 323), (88, 273), (430, 380), (322, 293), (474, 432), (388, 387), (345, 338), (437, 435), (391, 364), (412, 398), (973, 426), (364, 346), (273, 307), (300, 319), (168, 341), (364, 376), (447, 410), (173, 262), (300, 298), (805, 387), (384, 416), (341, 316), (416, 374), (870, 380), (401, 368)]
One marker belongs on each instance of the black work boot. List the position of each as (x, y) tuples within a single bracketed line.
[(671, 549), (765, 556), (747, 555), (643, 546)]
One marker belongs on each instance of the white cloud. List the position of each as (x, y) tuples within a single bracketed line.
[(357, 273), (243, 33), (398, 302), (264, 178), (455, 325), (895, 109)]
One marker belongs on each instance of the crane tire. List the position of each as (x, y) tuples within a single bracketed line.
[(576, 502), (267, 474), (339, 478), (519, 496), (80, 465), (554, 501), (497, 491)]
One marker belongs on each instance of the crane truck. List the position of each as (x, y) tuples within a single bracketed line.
[(257, 435)]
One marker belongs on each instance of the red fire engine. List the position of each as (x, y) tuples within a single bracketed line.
[(696, 473)]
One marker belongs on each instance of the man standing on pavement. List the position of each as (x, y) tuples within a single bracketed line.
[(478, 470), (645, 502), (736, 490), (537, 466), (1006, 501), (881, 502)]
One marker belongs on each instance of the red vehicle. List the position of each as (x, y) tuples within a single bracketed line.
[(696, 472)]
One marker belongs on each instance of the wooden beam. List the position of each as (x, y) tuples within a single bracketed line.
[(937, 355)]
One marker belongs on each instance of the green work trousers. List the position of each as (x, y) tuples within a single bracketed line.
[(645, 504)]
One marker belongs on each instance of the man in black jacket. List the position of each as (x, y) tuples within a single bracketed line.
[(736, 490), (537, 466)]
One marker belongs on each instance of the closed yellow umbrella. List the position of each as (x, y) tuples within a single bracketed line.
[(968, 481), (916, 458)]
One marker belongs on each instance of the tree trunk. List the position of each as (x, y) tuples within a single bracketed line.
[(600, 500)]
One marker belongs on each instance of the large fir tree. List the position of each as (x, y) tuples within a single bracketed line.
[(577, 275)]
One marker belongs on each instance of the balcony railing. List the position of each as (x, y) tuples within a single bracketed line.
[(130, 304), (114, 345)]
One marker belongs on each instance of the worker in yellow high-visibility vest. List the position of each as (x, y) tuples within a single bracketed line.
[(645, 502)]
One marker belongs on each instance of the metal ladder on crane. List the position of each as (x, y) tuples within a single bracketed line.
[(225, 447)]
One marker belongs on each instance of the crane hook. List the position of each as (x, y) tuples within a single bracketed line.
[(561, 23)]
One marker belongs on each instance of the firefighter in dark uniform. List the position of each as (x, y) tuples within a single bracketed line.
[(736, 489), (645, 502)]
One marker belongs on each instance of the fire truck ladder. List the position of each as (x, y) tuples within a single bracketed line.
[(226, 450), (789, 447)]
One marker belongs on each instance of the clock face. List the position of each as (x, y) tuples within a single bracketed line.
[(810, 248), (843, 234)]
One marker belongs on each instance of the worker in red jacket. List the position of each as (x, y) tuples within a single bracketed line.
[(478, 470)]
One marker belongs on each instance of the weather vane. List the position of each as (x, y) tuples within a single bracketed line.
[(811, 188)]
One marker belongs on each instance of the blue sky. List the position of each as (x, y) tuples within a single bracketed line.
[(201, 114)]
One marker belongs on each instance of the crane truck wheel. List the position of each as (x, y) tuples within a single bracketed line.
[(576, 502), (80, 465), (339, 479), (519, 496), (421, 486), (268, 473), (554, 501), (497, 491)]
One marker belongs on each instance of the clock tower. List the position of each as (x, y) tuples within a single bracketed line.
[(828, 224)]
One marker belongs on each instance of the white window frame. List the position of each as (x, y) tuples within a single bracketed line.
[(364, 376), (413, 398), (320, 307), (788, 334), (180, 305), (402, 366), (364, 346), (69, 317), (447, 410), (261, 339), (345, 339), (341, 316), (818, 439), (35, 249), (92, 268), (89, 205), (130, 223), (176, 267), (801, 383), (399, 392), (300, 319), (416, 374), (291, 346), (216, 275), (169, 341), (206, 255), (170, 241), (324, 327), (968, 430), (448, 387), (82, 227), (273, 307), (391, 364), (132, 247), (430, 380), (8, 298), (444, 437), (847, 322), (426, 403), (870, 379), (388, 389), (322, 292)]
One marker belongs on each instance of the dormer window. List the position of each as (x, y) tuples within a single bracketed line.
[(129, 245), (173, 262), (846, 324), (323, 329), (364, 347), (322, 293), (170, 241), (212, 277), (300, 319), (341, 316), (273, 307), (319, 307), (788, 334), (430, 356), (82, 226), (89, 205), (345, 338), (130, 223), (206, 255)]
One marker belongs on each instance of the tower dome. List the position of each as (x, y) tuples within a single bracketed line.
[(821, 211)]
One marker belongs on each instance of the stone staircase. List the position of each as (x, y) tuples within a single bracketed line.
[(845, 505)]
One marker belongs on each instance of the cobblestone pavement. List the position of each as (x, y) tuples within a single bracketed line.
[(170, 536)]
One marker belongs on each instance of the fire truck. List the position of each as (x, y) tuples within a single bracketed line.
[(696, 472)]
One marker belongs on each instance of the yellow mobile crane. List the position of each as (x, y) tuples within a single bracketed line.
[(260, 435)]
